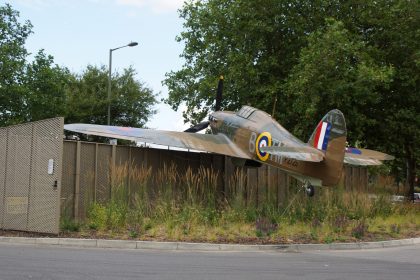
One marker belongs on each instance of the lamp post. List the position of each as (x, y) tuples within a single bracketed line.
[(132, 44)]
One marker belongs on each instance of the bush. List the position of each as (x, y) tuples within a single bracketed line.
[(97, 216)]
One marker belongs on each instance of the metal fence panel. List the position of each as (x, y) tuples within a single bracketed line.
[(18, 170), (45, 180), (32, 174), (103, 169), (3, 152), (87, 177), (69, 178), (122, 155), (138, 157)]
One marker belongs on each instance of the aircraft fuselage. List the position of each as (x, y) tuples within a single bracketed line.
[(248, 129)]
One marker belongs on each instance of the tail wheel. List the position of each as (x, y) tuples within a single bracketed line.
[(310, 190)]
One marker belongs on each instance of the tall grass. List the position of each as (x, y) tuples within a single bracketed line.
[(190, 205)]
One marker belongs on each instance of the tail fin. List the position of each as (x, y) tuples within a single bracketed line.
[(330, 137)]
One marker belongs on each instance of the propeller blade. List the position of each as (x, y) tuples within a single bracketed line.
[(219, 94), (198, 127), (203, 125)]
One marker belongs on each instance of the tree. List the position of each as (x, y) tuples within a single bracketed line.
[(45, 88), (261, 47), (254, 44), (40, 89), (335, 70), (396, 37), (13, 35), (87, 98), (386, 114)]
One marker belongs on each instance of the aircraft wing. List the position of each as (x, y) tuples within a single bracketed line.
[(365, 157), (303, 153), (219, 144)]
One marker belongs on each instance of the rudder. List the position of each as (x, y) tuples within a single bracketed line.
[(330, 136)]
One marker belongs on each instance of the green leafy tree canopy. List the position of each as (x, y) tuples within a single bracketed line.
[(87, 98), (39, 89)]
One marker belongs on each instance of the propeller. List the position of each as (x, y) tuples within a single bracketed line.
[(203, 125), (219, 94), (198, 127)]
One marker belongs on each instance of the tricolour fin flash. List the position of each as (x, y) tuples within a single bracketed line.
[(322, 135)]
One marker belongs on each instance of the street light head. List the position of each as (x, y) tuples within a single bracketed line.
[(132, 44)]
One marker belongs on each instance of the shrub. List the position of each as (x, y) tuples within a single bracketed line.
[(97, 216)]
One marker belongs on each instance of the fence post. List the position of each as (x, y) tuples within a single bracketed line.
[(77, 182), (95, 182), (113, 160), (130, 166), (3, 184)]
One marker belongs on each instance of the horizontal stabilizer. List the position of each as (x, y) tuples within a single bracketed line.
[(303, 153), (365, 157), (361, 161)]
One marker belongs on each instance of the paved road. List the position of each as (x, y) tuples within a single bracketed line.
[(36, 262)]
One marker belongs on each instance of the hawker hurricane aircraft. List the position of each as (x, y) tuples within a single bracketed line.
[(252, 137)]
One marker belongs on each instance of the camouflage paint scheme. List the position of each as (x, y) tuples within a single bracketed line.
[(243, 129), (252, 137)]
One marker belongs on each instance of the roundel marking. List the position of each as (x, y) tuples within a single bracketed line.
[(263, 140)]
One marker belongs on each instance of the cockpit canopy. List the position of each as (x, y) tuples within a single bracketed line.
[(245, 112), (253, 114)]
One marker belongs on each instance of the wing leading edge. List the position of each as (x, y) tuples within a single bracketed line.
[(219, 143)]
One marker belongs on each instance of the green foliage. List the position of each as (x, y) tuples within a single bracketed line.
[(381, 207), (40, 89), (251, 44), (133, 233), (360, 57), (69, 225), (46, 87), (110, 216), (87, 98), (336, 70), (116, 215), (29, 91), (97, 216), (13, 35), (184, 208), (328, 239)]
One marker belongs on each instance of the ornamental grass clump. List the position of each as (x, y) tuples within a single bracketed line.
[(189, 205)]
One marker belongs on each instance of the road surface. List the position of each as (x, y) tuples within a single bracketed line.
[(48, 262)]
